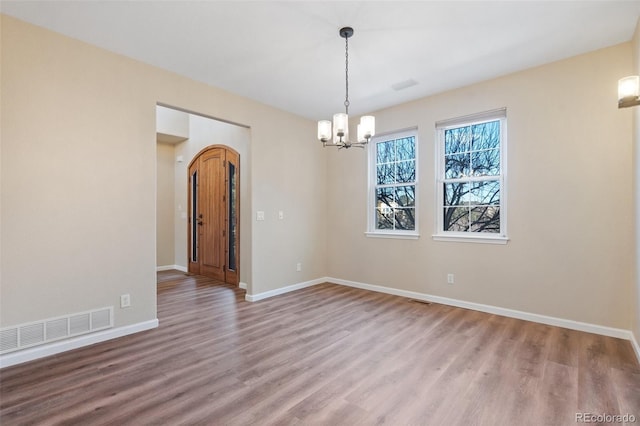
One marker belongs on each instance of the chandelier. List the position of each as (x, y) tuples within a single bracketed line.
[(340, 135)]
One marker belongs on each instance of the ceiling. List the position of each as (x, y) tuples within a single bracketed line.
[(288, 54)]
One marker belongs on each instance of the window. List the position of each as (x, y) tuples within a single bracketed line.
[(471, 179), (392, 185)]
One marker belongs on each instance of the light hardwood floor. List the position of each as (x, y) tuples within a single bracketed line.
[(324, 355)]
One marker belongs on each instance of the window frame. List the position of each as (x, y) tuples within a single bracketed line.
[(464, 121), (372, 184)]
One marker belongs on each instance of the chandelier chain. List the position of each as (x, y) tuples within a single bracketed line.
[(346, 74)]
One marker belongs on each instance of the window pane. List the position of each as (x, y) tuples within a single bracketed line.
[(485, 219), (405, 196), (405, 149), (456, 219), (384, 198), (471, 172), (385, 151), (457, 165), (386, 173), (406, 171), (456, 194), (232, 190), (405, 219), (194, 216), (457, 140), (384, 218), (486, 163), (484, 193), (486, 135), (395, 183)]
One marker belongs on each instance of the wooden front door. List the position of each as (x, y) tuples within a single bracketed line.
[(214, 207)]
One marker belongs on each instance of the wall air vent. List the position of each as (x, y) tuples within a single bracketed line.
[(40, 332), (32, 334), (79, 324), (8, 340)]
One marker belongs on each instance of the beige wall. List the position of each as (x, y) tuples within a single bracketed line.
[(165, 215), (78, 188), (78, 179), (570, 208), (171, 124)]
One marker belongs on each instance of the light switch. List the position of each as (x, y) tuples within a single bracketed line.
[(260, 215), (280, 215)]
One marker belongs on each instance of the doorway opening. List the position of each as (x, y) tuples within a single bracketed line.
[(214, 206), (182, 137)]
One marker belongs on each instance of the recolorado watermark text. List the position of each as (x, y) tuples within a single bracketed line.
[(605, 418)]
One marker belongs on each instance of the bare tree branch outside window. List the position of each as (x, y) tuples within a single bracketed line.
[(472, 178), (395, 184)]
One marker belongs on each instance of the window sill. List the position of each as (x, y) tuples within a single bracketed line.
[(394, 235), (482, 239)]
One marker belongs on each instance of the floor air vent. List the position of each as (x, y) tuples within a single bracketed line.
[(49, 330)]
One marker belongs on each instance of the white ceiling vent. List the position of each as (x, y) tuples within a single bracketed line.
[(40, 332), (404, 84)]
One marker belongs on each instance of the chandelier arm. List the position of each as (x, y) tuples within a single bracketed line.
[(334, 145)]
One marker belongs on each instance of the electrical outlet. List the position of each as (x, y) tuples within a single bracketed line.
[(299, 267), (125, 301), (450, 279)]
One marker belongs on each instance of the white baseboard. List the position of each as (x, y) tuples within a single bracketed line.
[(242, 285), (511, 313), (18, 357), (170, 267), (636, 346), (505, 312), (30, 354), (255, 297)]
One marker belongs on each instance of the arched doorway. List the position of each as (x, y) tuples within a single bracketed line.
[(214, 212)]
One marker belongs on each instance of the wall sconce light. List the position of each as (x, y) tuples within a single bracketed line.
[(629, 91)]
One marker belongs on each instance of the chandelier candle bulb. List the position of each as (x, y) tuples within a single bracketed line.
[(340, 127), (368, 124), (324, 130)]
